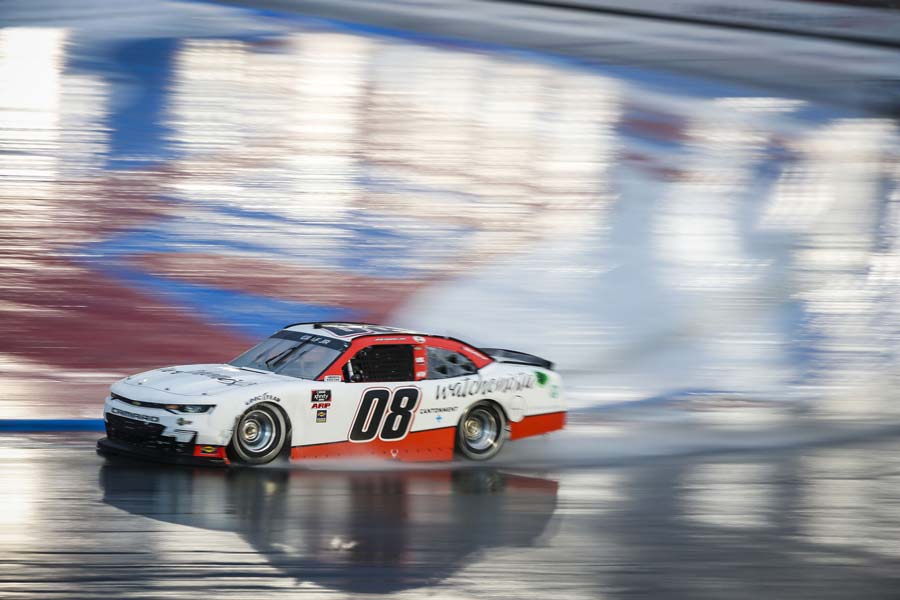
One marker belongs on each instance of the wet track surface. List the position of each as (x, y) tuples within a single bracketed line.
[(701, 224), (811, 522)]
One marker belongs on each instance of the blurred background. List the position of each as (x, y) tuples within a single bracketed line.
[(667, 201)]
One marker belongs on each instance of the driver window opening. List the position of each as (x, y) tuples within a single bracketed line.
[(389, 362)]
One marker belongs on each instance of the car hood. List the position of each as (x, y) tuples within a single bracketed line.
[(199, 380)]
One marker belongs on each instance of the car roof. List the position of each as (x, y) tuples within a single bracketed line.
[(347, 330)]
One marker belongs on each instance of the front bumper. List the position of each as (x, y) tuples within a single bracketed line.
[(108, 447)]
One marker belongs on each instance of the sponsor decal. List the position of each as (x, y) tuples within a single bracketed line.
[(473, 352), (420, 359), (265, 396), (421, 374), (348, 329), (391, 339), (181, 421), (333, 378), (321, 416), (320, 396), (209, 451), (554, 391), (321, 405), (418, 339), (319, 340), (541, 378), (131, 415), (474, 386), (223, 379), (438, 409), (439, 418)]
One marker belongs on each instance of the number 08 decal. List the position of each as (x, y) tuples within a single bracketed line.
[(371, 421)]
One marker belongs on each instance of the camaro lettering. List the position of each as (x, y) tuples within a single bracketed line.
[(131, 415), (475, 387)]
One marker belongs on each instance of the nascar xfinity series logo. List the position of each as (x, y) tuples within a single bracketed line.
[(131, 415)]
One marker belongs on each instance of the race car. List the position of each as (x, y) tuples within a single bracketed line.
[(329, 390)]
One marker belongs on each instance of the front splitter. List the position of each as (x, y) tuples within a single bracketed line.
[(108, 447)]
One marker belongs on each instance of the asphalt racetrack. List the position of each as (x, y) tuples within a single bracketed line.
[(817, 521)]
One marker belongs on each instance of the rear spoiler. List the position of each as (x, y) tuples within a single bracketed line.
[(517, 358)]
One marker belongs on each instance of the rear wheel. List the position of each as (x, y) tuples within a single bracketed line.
[(259, 436), (481, 431)]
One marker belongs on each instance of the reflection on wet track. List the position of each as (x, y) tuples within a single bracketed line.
[(350, 531), (814, 522)]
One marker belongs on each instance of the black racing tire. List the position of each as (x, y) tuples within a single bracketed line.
[(260, 435), (481, 431)]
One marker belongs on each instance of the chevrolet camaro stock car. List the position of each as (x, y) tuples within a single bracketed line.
[(327, 390)]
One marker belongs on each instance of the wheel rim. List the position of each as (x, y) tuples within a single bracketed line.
[(481, 429), (257, 431)]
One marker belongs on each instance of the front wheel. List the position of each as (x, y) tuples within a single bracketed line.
[(259, 436), (480, 434)]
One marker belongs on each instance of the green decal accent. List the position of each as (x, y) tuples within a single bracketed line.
[(541, 377)]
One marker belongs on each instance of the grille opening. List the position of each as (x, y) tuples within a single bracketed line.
[(145, 436)]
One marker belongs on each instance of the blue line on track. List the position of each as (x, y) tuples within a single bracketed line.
[(48, 425)]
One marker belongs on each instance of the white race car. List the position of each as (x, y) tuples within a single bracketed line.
[(326, 390)]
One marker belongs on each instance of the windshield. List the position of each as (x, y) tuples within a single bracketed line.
[(293, 354)]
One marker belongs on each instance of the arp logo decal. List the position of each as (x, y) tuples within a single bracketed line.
[(321, 399), (321, 416)]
